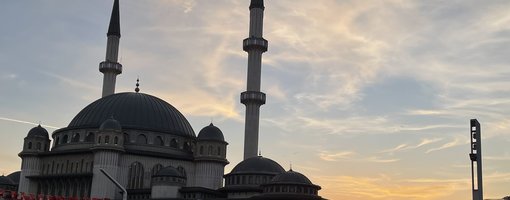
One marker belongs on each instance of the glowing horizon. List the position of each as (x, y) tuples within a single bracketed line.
[(370, 100)]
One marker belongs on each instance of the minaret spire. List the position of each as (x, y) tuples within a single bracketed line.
[(110, 67), (252, 98)]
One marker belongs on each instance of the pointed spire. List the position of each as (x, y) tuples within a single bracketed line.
[(114, 28), (137, 84), (257, 4)]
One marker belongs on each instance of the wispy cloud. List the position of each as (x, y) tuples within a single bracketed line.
[(386, 187), (455, 142), (327, 156), (402, 147)]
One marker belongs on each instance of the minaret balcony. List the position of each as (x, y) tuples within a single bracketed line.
[(253, 97), (107, 66), (255, 43)]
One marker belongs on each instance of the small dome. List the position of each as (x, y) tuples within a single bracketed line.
[(4, 180), (14, 177), (211, 132), (110, 124), (38, 131), (291, 177), (258, 165), (169, 172)]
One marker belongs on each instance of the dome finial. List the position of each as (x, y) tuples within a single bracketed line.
[(290, 166), (260, 152), (137, 84)]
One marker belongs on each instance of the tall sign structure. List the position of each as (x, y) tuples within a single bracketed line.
[(252, 98), (110, 67), (476, 160)]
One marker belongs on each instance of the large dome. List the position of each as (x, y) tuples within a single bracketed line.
[(134, 111)]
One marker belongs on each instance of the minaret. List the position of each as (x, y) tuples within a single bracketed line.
[(255, 45), (110, 67)]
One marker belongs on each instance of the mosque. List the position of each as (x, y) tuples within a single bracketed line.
[(150, 148)]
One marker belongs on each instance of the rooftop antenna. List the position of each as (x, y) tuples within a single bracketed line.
[(476, 160)]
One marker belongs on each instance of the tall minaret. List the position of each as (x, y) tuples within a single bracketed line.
[(255, 45), (110, 67)]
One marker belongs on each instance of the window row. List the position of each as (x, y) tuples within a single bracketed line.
[(140, 139), (69, 167), (38, 146), (291, 189), (210, 150), (247, 180)]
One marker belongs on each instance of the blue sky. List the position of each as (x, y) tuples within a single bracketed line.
[(370, 99)]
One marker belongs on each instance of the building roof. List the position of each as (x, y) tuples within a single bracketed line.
[(114, 27), (14, 176), (4, 180), (257, 4), (38, 131), (211, 132), (258, 165), (134, 111), (291, 177), (169, 172)]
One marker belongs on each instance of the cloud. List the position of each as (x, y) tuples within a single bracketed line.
[(381, 160), (455, 142), (402, 147), (386, 187), (327, 156)]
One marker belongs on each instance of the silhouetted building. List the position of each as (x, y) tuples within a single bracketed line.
[(150, 148)]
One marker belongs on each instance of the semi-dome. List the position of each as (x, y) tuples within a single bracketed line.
[(134, 111), (258, 165), (291, 177), (211, 132), (110, 124), (4, 180), (169, 172), (38, 131), (14, 177)]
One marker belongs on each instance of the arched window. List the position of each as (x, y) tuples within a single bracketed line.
[(90, 137), (99, 140), (56, 141), (65, 139), (209, 150), (174, 144), (76, 137), (182, 170), (156, 169), (201, 150), (159, 141), (126, 138), (135, 180), (219, 151), (186, 146), (107, 139), (116, 140), (141, 139), (29, 145), (38, 146)]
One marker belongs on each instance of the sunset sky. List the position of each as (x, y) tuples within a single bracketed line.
[(370, 99)]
